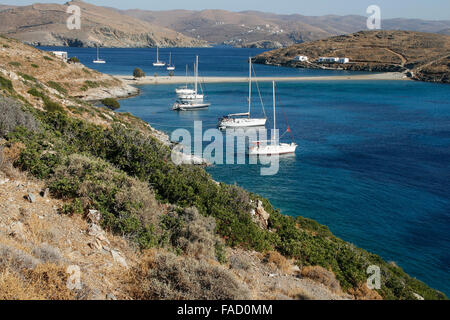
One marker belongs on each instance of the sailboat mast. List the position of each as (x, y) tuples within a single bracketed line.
[(274, 113), (196, 73), (170, 59), (98, 57), (157, 54), (249, 85), (186, 76)]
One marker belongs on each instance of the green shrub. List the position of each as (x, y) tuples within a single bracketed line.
[(6, 84), (27, 77), (15, 64), (52, 106), (36, 93), (13, 115), (128, 205), (48, 58), (73, 60), (111, 103), (34, 66), (88, 84), (166, 276), (57, 86), (138, 73)]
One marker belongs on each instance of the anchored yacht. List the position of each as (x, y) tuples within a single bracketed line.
[(158, 63), (242, 120), (273, 147)]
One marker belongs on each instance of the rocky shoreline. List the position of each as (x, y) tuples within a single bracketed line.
[(122, 91), (419, 56)]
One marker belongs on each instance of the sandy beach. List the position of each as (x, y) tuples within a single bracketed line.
[(182, 79)]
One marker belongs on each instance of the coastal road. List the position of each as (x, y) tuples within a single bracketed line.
[(183, 80)]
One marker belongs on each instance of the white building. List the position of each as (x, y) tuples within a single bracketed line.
[(61, 54), (328, 59), (343, 60), (301, 58)]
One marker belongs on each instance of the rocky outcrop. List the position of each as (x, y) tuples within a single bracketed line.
[(259, 215), (120, 92)]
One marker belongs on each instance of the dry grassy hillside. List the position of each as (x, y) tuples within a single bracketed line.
[(45, 24), (260, 29), (46, 232), (424, 55), (65, 83)]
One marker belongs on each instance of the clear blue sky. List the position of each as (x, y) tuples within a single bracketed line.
[(424, 9)]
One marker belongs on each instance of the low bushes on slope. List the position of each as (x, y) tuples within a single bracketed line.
[(168, 277), (52, 155)]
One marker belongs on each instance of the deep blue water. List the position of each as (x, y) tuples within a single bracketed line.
[(218, 61), (373, 162)]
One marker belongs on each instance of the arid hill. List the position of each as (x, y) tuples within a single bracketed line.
[(254, 28), (422, 56), (45, 24)]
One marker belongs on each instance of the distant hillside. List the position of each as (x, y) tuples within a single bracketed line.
[(250, 28), (423, 56), (45, 24), (5, 7)]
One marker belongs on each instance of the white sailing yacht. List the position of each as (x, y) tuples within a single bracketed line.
[(184, 90), (242, 120), (191, 101), (98, 60), (158, 63), (192, 95), (274, 148), (170, 67)]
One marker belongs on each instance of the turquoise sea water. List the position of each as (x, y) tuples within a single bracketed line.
[(373, 161)]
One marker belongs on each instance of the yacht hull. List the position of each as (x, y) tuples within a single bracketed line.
[(189, 106), (282, 148), (242, 123)]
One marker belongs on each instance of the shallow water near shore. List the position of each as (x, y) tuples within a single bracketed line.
[(373, 157)]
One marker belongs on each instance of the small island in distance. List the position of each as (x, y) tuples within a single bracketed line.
[(420, 56)]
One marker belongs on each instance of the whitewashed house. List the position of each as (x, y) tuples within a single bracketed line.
[(343, 60), (301, 58), (61, 54), (328, 59)]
